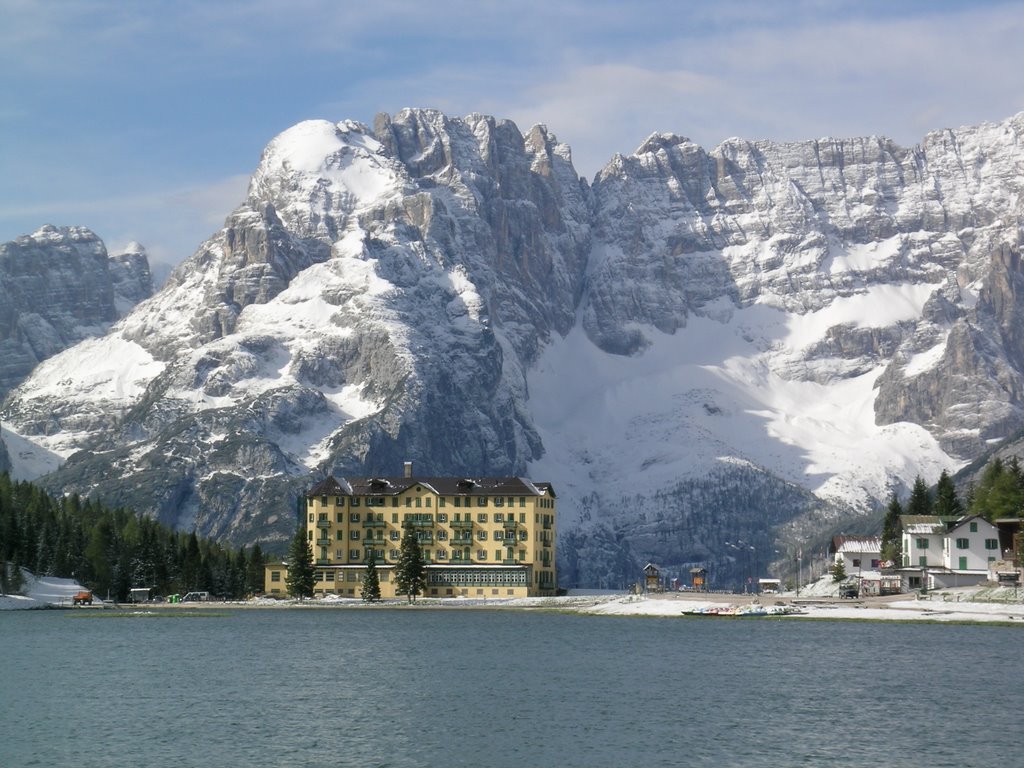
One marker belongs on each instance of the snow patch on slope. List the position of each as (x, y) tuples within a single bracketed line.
[(712, 392)]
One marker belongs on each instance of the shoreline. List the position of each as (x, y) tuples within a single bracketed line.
[(983, 604), (947, 608)]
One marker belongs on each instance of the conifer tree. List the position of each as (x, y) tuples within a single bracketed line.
[(410, 570), (839, 571), (892, 532), (947, 503), (371, 579), (301, 576), (254, 575), (999, 492), (920, 501)]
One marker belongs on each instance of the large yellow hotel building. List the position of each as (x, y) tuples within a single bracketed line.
[(480, 537)]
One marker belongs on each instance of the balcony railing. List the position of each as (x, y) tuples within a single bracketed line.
[(374, 524), (462, 525), (510, 525), (323, 561), (323, 524), (325, 542)]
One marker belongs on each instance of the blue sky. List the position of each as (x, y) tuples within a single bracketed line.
[(143, 120)]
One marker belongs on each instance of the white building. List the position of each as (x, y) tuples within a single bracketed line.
[(940, 553), (859, 555), (923, 537)]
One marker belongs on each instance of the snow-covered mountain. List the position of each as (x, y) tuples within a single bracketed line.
[(738, 346), (57, 287)]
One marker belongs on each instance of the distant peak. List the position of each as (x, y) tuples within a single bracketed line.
[(657, 141)]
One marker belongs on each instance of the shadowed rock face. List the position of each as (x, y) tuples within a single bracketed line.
[(383, 292), (57, 287)]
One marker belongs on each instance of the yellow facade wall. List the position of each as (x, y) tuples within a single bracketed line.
[(474, 545)]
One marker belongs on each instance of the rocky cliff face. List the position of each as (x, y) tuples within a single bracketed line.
[(820, 321), (58, 286)]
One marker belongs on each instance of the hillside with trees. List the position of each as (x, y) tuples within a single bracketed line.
[(111, 550)]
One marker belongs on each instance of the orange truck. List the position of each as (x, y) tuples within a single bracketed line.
[(82, 598)]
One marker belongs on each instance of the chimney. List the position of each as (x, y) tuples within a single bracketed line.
[(408, 469)]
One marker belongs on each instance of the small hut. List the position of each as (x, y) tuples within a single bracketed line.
[(652, 578), (698, 578)]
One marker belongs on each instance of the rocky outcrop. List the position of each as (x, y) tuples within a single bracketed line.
[(819, 321), (58, 286)]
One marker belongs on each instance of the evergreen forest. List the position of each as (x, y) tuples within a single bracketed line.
[(112, 550)]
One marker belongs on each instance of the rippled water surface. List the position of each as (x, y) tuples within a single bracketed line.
[(420, 687)]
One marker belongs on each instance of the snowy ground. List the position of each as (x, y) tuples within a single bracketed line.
[(43, 592), (967, 604)]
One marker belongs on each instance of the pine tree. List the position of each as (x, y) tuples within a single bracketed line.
[(301, 576), (947, 503), (254, 574), (410, 570), (371, 579), (839, 571), (920, 501), (892, 532)]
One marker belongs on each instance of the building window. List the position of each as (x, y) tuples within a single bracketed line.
[(481, 535), (441, 501), (442, 517), (481, 517), (353, 554), (394, 535), (481, 554), (394, 517), (329, 576), (323, 501), (991, 543), (922, 543), (497, 554), (974, 527), (876, 563), (522, 501), (394, 554), (340, 535), (499, 501), (339, 502), (311, 517), (962, 543), (498, 536), (309, 535), (275, 575), (354, 535), (442, 554), (311, 502), (442, 535), (353, 517), (481, 501), (499, 517)]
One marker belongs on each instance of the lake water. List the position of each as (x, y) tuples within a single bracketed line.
[(421, 687)]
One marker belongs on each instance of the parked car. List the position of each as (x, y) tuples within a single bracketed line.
[(850, 590)]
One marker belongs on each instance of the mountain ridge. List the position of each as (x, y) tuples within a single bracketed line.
[(837, 314)]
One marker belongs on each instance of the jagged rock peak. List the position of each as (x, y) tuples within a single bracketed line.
[(58, 286), (657, 141)]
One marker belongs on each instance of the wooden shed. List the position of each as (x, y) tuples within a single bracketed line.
[(698, 578), (652, 578)]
